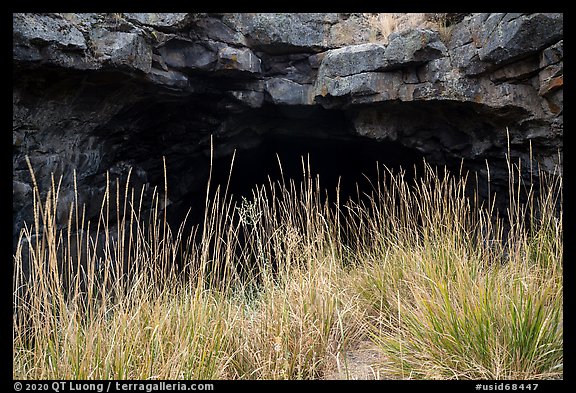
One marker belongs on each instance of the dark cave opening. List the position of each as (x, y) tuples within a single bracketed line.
[(348, 164)]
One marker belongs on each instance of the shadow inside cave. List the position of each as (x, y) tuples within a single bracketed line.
[(347, 165)]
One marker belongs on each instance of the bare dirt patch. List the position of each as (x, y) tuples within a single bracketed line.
[(363, 361)]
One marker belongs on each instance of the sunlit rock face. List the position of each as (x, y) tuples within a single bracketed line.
[(102, 93)]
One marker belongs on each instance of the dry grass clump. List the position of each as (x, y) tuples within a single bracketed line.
[(383, 24), (283, 285)]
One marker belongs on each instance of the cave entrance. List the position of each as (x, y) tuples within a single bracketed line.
[(350, 163)]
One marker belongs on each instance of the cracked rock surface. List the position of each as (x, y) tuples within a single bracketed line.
[(104, 92)]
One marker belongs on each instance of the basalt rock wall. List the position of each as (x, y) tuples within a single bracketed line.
[(100, 93)]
